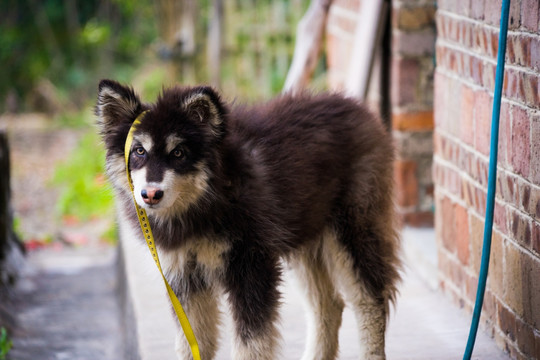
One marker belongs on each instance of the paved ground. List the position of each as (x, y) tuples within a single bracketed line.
[(66, 307)]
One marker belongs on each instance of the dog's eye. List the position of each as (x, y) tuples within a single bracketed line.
[(178, 153), (140, 151)]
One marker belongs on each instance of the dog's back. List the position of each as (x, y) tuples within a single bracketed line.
[(311, 155)]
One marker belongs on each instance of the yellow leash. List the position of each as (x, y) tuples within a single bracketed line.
[(147, 232)]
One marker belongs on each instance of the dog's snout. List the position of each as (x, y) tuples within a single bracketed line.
[(151, 195)]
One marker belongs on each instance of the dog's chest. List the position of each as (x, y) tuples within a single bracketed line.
[(203, 256)]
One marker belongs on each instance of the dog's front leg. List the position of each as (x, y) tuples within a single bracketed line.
[(251, 282), (202, 309)]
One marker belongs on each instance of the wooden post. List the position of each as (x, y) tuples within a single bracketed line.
[(215, 40), (309, 37)]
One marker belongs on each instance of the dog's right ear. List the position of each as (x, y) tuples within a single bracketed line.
[(116, 104)]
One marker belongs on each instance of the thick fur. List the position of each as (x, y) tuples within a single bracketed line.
[(303, 178)]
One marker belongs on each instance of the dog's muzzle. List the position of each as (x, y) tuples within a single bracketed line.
[(152, 196)]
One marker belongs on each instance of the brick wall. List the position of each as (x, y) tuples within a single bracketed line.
[(413, 46), (464, 81), (411, 88)]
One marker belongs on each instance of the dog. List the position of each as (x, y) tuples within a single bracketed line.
[(234, 192)]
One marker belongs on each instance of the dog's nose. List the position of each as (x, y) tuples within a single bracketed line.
[(151, 195)]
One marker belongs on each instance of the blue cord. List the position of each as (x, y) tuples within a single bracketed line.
[(490, 205)]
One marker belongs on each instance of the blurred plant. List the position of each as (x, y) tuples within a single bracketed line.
[(5, 343), (72, 43), (84, 190)]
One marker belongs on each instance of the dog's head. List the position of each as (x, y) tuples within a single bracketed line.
[(174, 146)]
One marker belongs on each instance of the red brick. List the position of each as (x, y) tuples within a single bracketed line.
[(522, 288), (465, 34), (448, 231), (521, 128), (505, 131), (535, 152), (507, 322), (500, 217), (492, 11), (419, 219), (512, 87), (480, 39), (483, 104), (477, 9), (513, 278), (415, 121), (413, 17), (520, 228), (477, 236), (489, 309), (535, 237), (471, 286), (534, 56), (494, 44), (461, 218), (514, 21), (518, 49), (507, 188), (480, 200), (488, 75), (477, 68), (406, 73), (440, 97), (466, 126), (530, 14), (406, 182), (525, 338), (496, 266), (530, 90), (531, 292), (481, 171)]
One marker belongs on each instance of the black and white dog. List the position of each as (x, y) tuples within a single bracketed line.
[(230, 191)]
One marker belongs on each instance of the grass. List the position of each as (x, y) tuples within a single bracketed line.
[(5, 343)]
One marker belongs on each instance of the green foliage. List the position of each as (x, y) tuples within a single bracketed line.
[(5, 343), (75, 119), (73, 43), (84, 190)]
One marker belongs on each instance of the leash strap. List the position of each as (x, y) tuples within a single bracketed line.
[(147, 232)]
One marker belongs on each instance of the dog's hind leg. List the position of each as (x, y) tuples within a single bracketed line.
[(323, 304), (203, 312), (364, 264)]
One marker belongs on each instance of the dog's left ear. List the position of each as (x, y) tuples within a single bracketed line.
[(116, 104), (204, 104)]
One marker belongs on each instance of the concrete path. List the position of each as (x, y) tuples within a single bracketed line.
[(66, 307)]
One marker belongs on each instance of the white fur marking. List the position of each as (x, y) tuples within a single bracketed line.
[(172, 142), (145, 140)]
